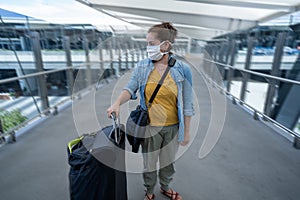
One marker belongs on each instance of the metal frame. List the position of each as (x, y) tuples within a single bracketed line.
[(256, 112), (70, 78), (42, 88), (233, 46), (255, 73), (251, 43), (88, 74), (194, 17), (246, 4), (269, 104), (127, 50), (41, 74)]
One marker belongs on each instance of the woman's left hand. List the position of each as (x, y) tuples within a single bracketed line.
[(186, 139)]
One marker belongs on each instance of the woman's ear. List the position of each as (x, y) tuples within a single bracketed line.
[(166, 46)]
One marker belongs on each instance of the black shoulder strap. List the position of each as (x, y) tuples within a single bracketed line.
[(171, 63)]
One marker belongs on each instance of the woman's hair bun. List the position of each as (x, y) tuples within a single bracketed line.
[(165, 31)]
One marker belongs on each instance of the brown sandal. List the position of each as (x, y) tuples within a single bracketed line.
[(172, 195), (147, 197)]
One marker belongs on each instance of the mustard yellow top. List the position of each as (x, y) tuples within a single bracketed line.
[(163, 111)]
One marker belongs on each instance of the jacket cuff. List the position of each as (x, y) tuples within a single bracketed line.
[(132, 93), (188, 112)]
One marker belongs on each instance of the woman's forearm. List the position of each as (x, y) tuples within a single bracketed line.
[(187, 123), (123, 98)]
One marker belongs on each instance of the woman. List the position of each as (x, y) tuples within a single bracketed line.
[(170, 113)]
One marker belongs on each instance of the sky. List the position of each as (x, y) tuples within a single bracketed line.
[(59, 11)]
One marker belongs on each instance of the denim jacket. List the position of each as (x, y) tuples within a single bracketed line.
[(182, 75)]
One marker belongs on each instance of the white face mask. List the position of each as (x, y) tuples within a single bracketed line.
[(154, 52)]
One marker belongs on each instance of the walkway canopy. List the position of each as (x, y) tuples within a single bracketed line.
[(202, 19)]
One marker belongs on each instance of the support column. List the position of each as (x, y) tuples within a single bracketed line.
[(101, 56), (189, 46), (246, 76), (87, 60), (222, 60), (70, 78), (132, 55), (137, 52), (43, 93), (273, 84), (214, 68), (110, 46), (126, 56), (210, 65), (233, 47), (119, 59), (142, 51)]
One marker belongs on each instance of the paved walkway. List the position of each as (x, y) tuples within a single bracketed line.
[(250, 161)]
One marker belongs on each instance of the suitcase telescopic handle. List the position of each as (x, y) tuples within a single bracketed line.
[(113, 115), (116, 126)]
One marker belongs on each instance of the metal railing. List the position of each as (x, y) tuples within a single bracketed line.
[(266, 93), (9, 135), (110, 59), (210, 74), (254, 73)]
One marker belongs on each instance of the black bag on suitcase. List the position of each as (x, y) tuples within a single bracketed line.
[(97, 165)]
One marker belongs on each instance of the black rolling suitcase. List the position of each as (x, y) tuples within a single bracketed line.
[(97, 165)]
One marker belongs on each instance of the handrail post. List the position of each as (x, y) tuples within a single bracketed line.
[(132, 55), (43, 93), (232, 61), (208, 55), (70, 78), (110, 46), (210, 51), (297, 142), (221, 59), (141, 51), (137, 51), (87, 60), (269, 103), (246, 76), (214, 65), (119, 58), (126, 56), (101, 56)]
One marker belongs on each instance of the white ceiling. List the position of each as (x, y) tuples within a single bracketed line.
[(202, 19)]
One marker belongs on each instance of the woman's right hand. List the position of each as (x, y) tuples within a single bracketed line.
[(124, 97), (113, 108)]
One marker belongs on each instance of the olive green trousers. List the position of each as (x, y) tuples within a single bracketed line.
[(161, 144)]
